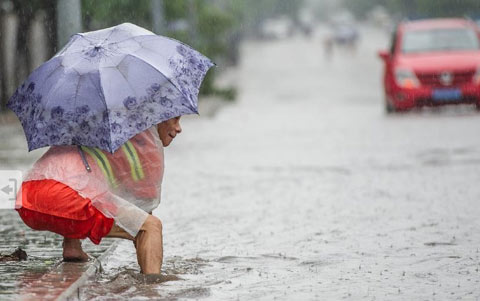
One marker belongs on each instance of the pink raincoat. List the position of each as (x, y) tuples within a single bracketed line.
[(125, 185)]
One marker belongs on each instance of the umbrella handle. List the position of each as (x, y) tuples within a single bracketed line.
[(85, 162)]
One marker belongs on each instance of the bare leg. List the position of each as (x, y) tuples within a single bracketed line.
[(118, 232), (72, 250), (148, 242)]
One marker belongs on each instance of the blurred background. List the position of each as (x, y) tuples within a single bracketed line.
[(296, 182), (33, 30)]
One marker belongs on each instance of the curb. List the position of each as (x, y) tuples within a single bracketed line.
[(65, 279), (72, 291)]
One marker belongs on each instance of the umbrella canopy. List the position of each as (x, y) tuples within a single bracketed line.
[(106, 86)]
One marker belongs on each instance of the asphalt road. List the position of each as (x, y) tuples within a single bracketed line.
[(305, 189)]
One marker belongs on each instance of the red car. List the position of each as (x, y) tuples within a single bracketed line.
[(432, 62)]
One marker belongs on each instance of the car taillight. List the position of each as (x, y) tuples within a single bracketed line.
[(406, 79)]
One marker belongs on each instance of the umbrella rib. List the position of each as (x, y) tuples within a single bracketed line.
[(84, 38), (56, 87), (126, 80), (136, 38), (126, 39), (115, 42), (139, 39), (79, 51), (53, 71), (100, 93), (69, 43), (111, 33), (89, 40), (151, 50), (168, 79), (76, 90), (102, 97)]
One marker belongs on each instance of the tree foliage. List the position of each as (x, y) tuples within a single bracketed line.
[(207, 28), (106, 13), (212, 26)]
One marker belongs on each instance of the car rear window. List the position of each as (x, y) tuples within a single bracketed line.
[(446, 39)]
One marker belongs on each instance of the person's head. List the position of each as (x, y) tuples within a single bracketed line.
[(168, 129)]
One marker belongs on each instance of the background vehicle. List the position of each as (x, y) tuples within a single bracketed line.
[(277, 28), (345, 35), (432, 62)]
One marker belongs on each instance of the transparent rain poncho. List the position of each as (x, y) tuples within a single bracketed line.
[(125, 185)]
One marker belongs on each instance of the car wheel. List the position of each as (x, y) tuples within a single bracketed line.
[(389, 108), (477, 106)]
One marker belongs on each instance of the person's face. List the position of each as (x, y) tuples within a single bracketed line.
[(168, 129)]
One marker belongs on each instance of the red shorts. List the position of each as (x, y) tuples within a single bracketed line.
[(48, 205)]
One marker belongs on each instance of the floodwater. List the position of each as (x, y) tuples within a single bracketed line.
[(306, 190)]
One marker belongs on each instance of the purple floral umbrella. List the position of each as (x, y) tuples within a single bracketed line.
[(106, 86)]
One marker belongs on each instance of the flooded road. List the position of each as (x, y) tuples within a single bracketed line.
[(305, 190)]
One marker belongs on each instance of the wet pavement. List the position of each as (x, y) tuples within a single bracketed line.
[(305, 189), (42, 274)]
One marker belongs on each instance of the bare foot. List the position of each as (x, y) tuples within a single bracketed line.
[(72, 251)]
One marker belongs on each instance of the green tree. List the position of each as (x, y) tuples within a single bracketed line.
[(210, 24), (26, 10), (105, 13)]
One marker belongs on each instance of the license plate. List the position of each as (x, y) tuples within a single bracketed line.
[(446, 94)]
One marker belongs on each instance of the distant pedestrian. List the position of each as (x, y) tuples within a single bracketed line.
[(328, 46)]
